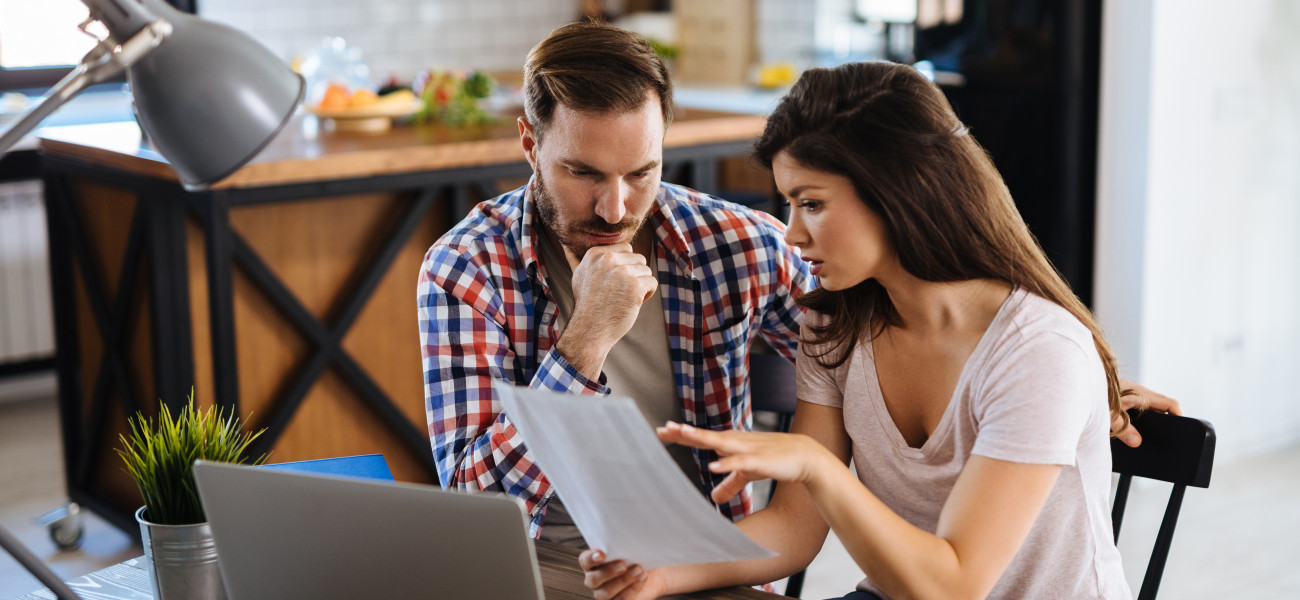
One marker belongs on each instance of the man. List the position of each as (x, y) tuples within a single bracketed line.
[(596, 278)]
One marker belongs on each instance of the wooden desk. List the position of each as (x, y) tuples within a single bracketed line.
[(285, 293), (561, 580)]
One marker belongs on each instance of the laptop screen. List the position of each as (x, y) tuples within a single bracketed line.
[(283, 535)]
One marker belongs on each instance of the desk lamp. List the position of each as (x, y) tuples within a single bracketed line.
[(208, 96)]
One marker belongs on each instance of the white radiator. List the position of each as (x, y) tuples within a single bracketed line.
[(26, 310)]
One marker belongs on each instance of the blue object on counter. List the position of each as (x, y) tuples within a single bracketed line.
[(365, 466)]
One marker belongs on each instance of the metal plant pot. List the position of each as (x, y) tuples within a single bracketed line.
[(182, 560)]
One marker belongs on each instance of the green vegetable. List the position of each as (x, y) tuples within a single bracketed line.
[(451, 98)]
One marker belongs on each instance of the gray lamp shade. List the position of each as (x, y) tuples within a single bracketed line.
[(210, 97)]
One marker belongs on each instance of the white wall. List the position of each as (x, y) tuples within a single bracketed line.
[(401, 36), (1198, 263)]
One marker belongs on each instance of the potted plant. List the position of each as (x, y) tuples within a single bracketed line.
[(159, 456)]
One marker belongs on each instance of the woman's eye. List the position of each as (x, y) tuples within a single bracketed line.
[(810, 205)]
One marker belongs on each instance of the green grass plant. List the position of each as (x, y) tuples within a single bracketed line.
[(160, 455)]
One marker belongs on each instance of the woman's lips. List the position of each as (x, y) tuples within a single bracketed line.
[(814, 266)]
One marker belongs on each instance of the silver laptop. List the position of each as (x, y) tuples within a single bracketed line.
[(293, 535)]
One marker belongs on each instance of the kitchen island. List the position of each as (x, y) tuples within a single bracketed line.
[(286, 292)]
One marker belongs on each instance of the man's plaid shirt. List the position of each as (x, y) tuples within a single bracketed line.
[(486, 314)]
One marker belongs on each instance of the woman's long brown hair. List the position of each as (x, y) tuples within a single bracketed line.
[(892, 133)]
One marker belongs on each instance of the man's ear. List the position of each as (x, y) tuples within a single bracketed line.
[(528, 138)]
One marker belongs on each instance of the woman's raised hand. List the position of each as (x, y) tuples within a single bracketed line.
[(1143, 399), (617, 580), (751, 456)]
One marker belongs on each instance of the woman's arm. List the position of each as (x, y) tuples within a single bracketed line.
[(983, 523), (790, 525)]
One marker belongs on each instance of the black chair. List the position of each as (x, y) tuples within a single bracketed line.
[(1179, 450), (771, 389)]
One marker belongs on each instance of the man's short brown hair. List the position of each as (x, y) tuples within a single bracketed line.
[(592, 67)]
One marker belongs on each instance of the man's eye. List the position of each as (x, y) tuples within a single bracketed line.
[(640, 174)]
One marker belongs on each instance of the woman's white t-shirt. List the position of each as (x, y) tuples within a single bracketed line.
[(1033, 391)]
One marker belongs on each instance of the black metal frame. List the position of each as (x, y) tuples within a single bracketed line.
[(156, 252)]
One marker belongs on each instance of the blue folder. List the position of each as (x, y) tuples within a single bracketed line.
[(365, 466)]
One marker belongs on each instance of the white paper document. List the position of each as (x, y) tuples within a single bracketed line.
[(624, 491)]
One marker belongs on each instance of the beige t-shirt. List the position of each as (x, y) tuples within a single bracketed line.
[(638, 366), (1033, 391)]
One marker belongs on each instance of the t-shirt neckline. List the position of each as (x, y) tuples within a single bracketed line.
[(944, 429)]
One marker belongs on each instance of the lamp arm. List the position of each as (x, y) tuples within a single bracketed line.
[(105, 60), (34, 566), (122, 18)]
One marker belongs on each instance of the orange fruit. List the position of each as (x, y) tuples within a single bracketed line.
[(363, 98), (335, 98)]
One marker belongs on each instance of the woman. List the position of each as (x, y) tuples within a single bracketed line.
[(942, 352)]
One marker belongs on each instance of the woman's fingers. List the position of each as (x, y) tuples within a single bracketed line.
[(590, 559), (614, 583), (608, 579), (731, 485), (600, 577), (1128, 434), (1142, 398), (681, 433), (722, 442), (749, 456), (598, 572), (626, 583)]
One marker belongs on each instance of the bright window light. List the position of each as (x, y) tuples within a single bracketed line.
[(42, 33)]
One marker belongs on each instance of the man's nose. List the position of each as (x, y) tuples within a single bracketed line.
[(611, 205)]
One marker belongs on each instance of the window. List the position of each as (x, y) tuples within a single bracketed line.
[(39, 40)]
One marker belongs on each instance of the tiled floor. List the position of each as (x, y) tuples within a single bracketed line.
[(1235, 540)]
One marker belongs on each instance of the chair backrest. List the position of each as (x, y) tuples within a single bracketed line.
[(772, 389), (771, 386), (1179, 450), (365, 466)]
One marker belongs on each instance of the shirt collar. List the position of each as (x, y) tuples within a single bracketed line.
[(529, 235)]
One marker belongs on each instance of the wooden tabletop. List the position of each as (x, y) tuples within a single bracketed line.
[(561, 580), (307, 150)]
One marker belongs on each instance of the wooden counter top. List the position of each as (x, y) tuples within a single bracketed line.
[(306, 151)]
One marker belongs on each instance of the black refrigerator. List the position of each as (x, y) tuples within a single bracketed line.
[(1023, 75)]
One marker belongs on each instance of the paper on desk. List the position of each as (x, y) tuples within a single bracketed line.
[(625, 493)]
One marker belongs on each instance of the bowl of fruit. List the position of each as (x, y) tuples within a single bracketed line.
[(362, 109)]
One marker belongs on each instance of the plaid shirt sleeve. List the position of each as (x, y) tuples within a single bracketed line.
[(474, 331), (787, 279)]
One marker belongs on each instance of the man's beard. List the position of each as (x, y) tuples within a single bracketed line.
[(567, 234)]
